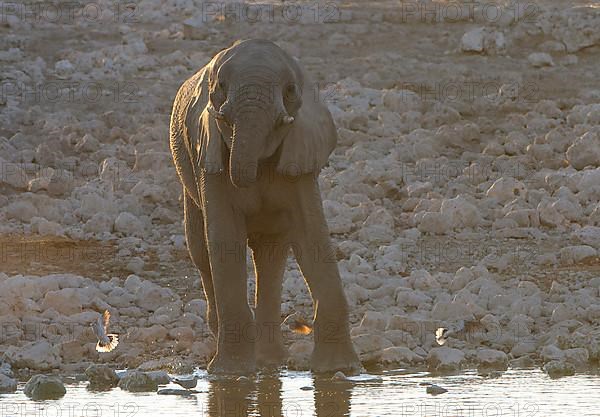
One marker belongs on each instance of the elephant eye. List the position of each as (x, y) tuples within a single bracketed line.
[(290, 90), (291, 93)]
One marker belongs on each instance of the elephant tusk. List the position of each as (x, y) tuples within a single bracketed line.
[(287, 119), (215, 113)]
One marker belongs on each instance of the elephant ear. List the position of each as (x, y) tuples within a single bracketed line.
[(210, 145), (311, 138), (202, 130)]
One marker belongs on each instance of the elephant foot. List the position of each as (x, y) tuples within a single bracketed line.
[(271, 355), (332, 357), (224, 364)]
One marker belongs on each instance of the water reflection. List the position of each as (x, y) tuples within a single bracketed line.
[(230, 397), (332, 398), (300, 394), (263, 397), (269, 396)]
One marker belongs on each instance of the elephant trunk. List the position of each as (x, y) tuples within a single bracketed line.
[(243, 160)]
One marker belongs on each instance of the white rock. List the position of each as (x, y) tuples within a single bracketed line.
[(540, 59), (152, 334), (460, 213), (400, 355), (178, 241), (588, 235), (101, 377), (87, 144), (556, 369), (196, 28), (578, 29), (570, 255), (203, 350), (45, 227), (34, 355), (461, 278), (378, 227), (563, 312), (393, 259), (99, 223), (66, 301), (114, 170), (369, 347), (132, 283), (91, 204), (551, 352), (401, 101), (577, 356), (451, 311), (408, 298), (136, 381), (522, 349), (435, 223), (550, 216), (129, 225), (21, 210), (13, 174), (5, 369), (506, 189), (422, 280), (7, 384), (196, 306), (585, 151), (151, 297), (492, 359), (445, 359), (482, 40), (64, 68), (376, 234), (472, 41), (44, 387), (135, 265), (374, 320), (521, 325)]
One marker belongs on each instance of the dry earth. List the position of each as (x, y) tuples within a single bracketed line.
[(494, 112)]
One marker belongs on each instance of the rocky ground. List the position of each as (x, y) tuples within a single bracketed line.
[(465, 184)]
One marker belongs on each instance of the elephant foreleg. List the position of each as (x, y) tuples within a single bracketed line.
[(196, 243), (333, 348), (226, 237), (270, 254)]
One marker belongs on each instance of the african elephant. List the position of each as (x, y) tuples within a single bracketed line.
[(248, 139)]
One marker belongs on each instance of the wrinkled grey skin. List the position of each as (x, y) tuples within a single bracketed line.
[(249, 176)]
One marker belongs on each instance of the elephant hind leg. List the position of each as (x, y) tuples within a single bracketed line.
[(269, 253), (196, 242)]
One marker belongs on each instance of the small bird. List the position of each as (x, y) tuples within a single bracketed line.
[(106, 341), (188, 384), (297, 324), (463, 329)]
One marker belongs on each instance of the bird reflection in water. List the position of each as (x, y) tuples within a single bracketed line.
[(242, 397)]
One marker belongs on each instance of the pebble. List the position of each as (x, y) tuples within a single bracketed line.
[(540, 59), (44, 387), (435, 390)]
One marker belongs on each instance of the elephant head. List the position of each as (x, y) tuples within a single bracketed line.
[(260, 104)]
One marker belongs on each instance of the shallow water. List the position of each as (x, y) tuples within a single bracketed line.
[(397, 393)]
